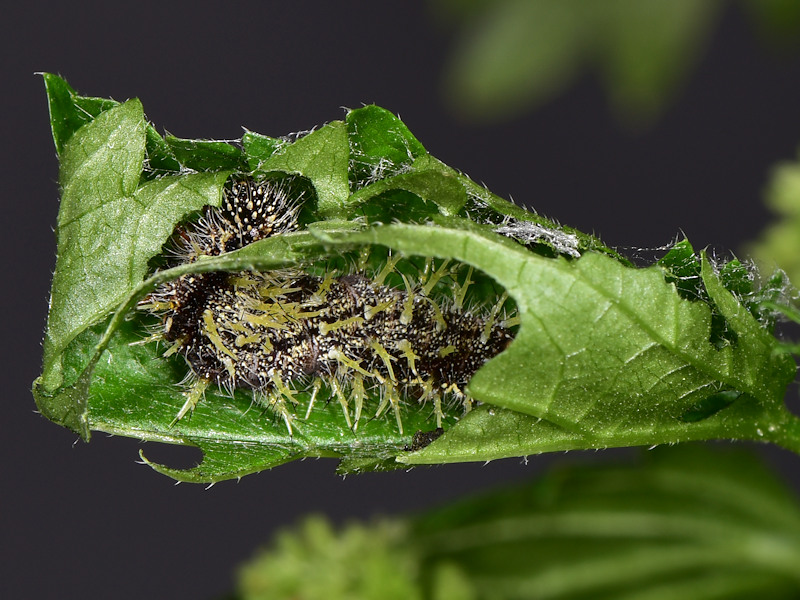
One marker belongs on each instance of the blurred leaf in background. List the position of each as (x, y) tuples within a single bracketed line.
[(777, 22), (780, 243), (512, 56), (314, 560), (688, 521)]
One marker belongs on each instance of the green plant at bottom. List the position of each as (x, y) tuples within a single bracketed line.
[(689, 521)]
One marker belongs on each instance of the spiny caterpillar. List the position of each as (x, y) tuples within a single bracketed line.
[(284, 331)]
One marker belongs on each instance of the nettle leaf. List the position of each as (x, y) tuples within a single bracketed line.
[(380, 145), (606, 354), (613, 356), (69, 112), (206, 155), (322, 157), (259, 148), (109, 226)]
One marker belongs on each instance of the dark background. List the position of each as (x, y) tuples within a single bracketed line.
[(80, 520)]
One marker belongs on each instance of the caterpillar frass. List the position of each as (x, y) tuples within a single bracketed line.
[(284, 331)]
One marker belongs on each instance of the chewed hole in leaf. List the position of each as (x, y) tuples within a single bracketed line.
[(181, 457), (710, 405)]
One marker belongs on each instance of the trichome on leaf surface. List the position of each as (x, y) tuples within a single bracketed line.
[(343, 293)]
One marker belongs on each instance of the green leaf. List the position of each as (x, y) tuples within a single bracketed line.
[(380, 145), (259, 148), (489, 433), (322, 157), (87, 274), (606, 354), (159, 158), (207, 155), (68, 111), (612, 354), (426, 181), (108, 229)]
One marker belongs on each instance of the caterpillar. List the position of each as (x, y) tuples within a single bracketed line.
[(284, 331)]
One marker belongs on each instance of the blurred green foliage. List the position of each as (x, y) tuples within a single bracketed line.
[(315, 561), (511, 56), (780, 243), (688, 521)]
